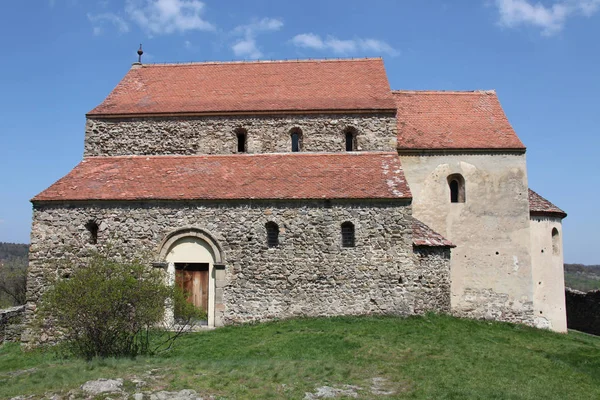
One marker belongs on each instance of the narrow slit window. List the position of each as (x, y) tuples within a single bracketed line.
[(348, 234), (350, 135), (296, 139), (272, 234), (349, 141), (242, 138), (456, 183), (555, 242), (92, 228)]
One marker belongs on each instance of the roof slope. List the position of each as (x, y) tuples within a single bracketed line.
[(425, 236), (453, 120), (540, 206), (222, 87), (220, 177)]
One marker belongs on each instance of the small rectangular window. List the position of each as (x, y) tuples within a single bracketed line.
[(348, 234)]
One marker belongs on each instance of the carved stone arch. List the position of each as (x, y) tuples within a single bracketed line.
[(191, 231), (196, 248)]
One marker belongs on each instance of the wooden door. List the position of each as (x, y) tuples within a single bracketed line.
[(193, 279)]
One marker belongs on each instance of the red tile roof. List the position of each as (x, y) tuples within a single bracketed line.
[(220, 177), (540, 206), (425, 236), (222, 87), (453, 120)]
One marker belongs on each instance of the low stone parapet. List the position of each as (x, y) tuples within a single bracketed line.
[(11, 324), (583, 310)]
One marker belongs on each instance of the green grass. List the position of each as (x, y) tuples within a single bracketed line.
[(437, 357), (582, 282)]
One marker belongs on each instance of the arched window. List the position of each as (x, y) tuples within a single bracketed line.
[(456, 182), (272, 234), (555, 242), (296, 134), (347, 234), (92, 228), (350, 135), (242, 136)]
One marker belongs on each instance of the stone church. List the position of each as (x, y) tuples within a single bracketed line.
[(308, 188)]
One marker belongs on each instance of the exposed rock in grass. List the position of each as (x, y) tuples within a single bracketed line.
[(329, 392), (185, 394), (100, 386), (20, 372), (378, 387)]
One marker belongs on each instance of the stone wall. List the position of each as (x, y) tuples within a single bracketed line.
[(216, 134), (432, 276), (491, 265), (308, 274), (11, 324), (489, 304), (583, 311)]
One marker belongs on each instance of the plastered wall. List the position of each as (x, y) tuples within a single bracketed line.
[(491, 274), (548, 274)]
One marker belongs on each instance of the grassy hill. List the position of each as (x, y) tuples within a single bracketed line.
[(437, 357), (582, 277)]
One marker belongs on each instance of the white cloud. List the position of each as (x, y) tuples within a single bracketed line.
[(263, 25), (246, 46), (309, 40), (550, 19), (100, 20), (159, 17), (343, 47)]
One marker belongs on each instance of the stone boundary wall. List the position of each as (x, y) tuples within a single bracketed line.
[(308, 274), (583, 310), (216, 134), (11, 324)]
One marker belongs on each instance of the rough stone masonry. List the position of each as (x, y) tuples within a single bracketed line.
[(308, 274)]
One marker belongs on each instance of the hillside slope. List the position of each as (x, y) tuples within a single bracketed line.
[(582, 277), (379, 357)]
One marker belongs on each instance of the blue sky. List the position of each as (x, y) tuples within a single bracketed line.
[(60, 58)]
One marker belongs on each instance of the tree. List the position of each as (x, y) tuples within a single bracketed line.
[(113, 309), (13, 282)]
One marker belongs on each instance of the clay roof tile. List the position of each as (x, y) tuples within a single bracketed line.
[(540, 206), (425, 236), (264, 86), (439, 120), (229, 177)]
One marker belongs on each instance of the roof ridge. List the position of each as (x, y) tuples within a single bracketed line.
[(305, 60), (477, 91)]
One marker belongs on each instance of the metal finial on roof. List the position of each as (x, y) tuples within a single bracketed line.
[(140, 52)]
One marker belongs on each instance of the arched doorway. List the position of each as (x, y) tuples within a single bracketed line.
[(194, 262)]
